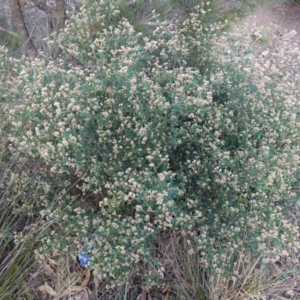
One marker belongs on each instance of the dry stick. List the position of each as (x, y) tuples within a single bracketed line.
[(8, 32)]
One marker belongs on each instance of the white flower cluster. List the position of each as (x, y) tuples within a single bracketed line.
[(170, 132)]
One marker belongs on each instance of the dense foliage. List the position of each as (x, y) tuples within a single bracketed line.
[(168, 134)]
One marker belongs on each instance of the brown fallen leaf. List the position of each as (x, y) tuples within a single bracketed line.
[(166, 289), (73, 289), (86, 278), (47, 289), (52, 264), (47, 270)]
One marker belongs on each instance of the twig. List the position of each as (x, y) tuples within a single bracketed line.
[(7, 31)]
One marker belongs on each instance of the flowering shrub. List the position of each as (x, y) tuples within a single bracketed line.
[(168, 134)]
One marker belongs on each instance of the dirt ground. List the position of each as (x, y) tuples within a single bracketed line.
[(278, 46), (279, 22)]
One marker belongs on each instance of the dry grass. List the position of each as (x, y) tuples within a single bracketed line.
[(187, 277)]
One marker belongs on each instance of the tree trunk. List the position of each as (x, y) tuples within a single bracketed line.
[(29, 47)]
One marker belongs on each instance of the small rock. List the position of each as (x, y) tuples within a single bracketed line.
[(289, 35)]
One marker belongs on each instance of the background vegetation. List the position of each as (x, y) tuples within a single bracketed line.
[(160, 152)]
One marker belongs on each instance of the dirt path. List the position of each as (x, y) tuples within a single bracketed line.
[(279, 22), (276, 32)]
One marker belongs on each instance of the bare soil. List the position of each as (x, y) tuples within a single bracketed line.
[(280, 22), (277, 47)]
